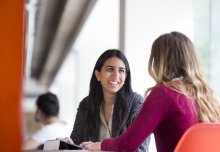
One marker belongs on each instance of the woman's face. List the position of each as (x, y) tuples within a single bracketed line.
[(112, 75)]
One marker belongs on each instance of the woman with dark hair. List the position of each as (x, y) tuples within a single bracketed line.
[(111, 104), (180, 98)]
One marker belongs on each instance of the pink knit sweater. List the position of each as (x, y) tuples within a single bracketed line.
[(166, 113)]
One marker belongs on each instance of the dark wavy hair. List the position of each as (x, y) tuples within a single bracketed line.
[(95, 97)]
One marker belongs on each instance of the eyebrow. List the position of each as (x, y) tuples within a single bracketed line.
[(110, 66)]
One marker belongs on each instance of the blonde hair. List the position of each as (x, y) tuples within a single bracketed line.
[(173, 56)]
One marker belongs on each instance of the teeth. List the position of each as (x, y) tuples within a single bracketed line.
[(113, 82)]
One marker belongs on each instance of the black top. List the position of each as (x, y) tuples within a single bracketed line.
[(78, 134)]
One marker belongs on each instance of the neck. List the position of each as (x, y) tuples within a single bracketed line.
[(50, 120), (107, 107), (109, 99)]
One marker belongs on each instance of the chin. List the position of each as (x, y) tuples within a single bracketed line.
[(115, 90)]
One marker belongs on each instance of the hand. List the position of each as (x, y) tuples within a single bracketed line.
[(91, 146), (66, 139)]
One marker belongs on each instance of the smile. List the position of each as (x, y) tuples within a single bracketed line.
[(113, 82)]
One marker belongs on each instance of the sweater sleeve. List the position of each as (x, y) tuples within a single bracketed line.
[(135, 109), (152, 113)]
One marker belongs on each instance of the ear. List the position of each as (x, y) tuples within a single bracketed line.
[(97, 74), (38, 115)]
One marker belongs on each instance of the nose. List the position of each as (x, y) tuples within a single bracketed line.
[(116, 73)]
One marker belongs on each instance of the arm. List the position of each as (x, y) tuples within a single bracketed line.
[(30, 144), (151, 114), (137, 104), (77, 134), (36, 139)]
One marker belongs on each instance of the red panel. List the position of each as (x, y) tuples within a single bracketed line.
[(11, 74)]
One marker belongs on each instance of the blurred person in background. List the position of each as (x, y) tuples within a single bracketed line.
[(46, 113)]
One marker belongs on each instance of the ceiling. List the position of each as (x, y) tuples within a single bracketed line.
[(57, 24)]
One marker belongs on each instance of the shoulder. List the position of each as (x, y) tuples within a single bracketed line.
[(51, 131), (163, 89), (54, 127), (40, 135), (83, 104), (160, 89), (135, 101), (162, 92), (137, 97)]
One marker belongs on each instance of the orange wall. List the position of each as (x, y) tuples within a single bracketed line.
[(11, 74)]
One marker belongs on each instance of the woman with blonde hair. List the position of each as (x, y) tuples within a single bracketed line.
[(180, 98)]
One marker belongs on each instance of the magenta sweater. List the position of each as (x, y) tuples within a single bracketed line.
[(166, 113)]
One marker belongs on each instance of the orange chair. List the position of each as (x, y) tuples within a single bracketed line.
[(201, 137)]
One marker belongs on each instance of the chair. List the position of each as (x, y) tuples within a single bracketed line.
[(201, 137)]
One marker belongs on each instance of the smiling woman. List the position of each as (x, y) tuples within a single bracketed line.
[(112, 75), (111, 104)]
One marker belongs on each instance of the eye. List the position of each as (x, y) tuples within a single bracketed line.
[(109, 69), (122, 71)]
